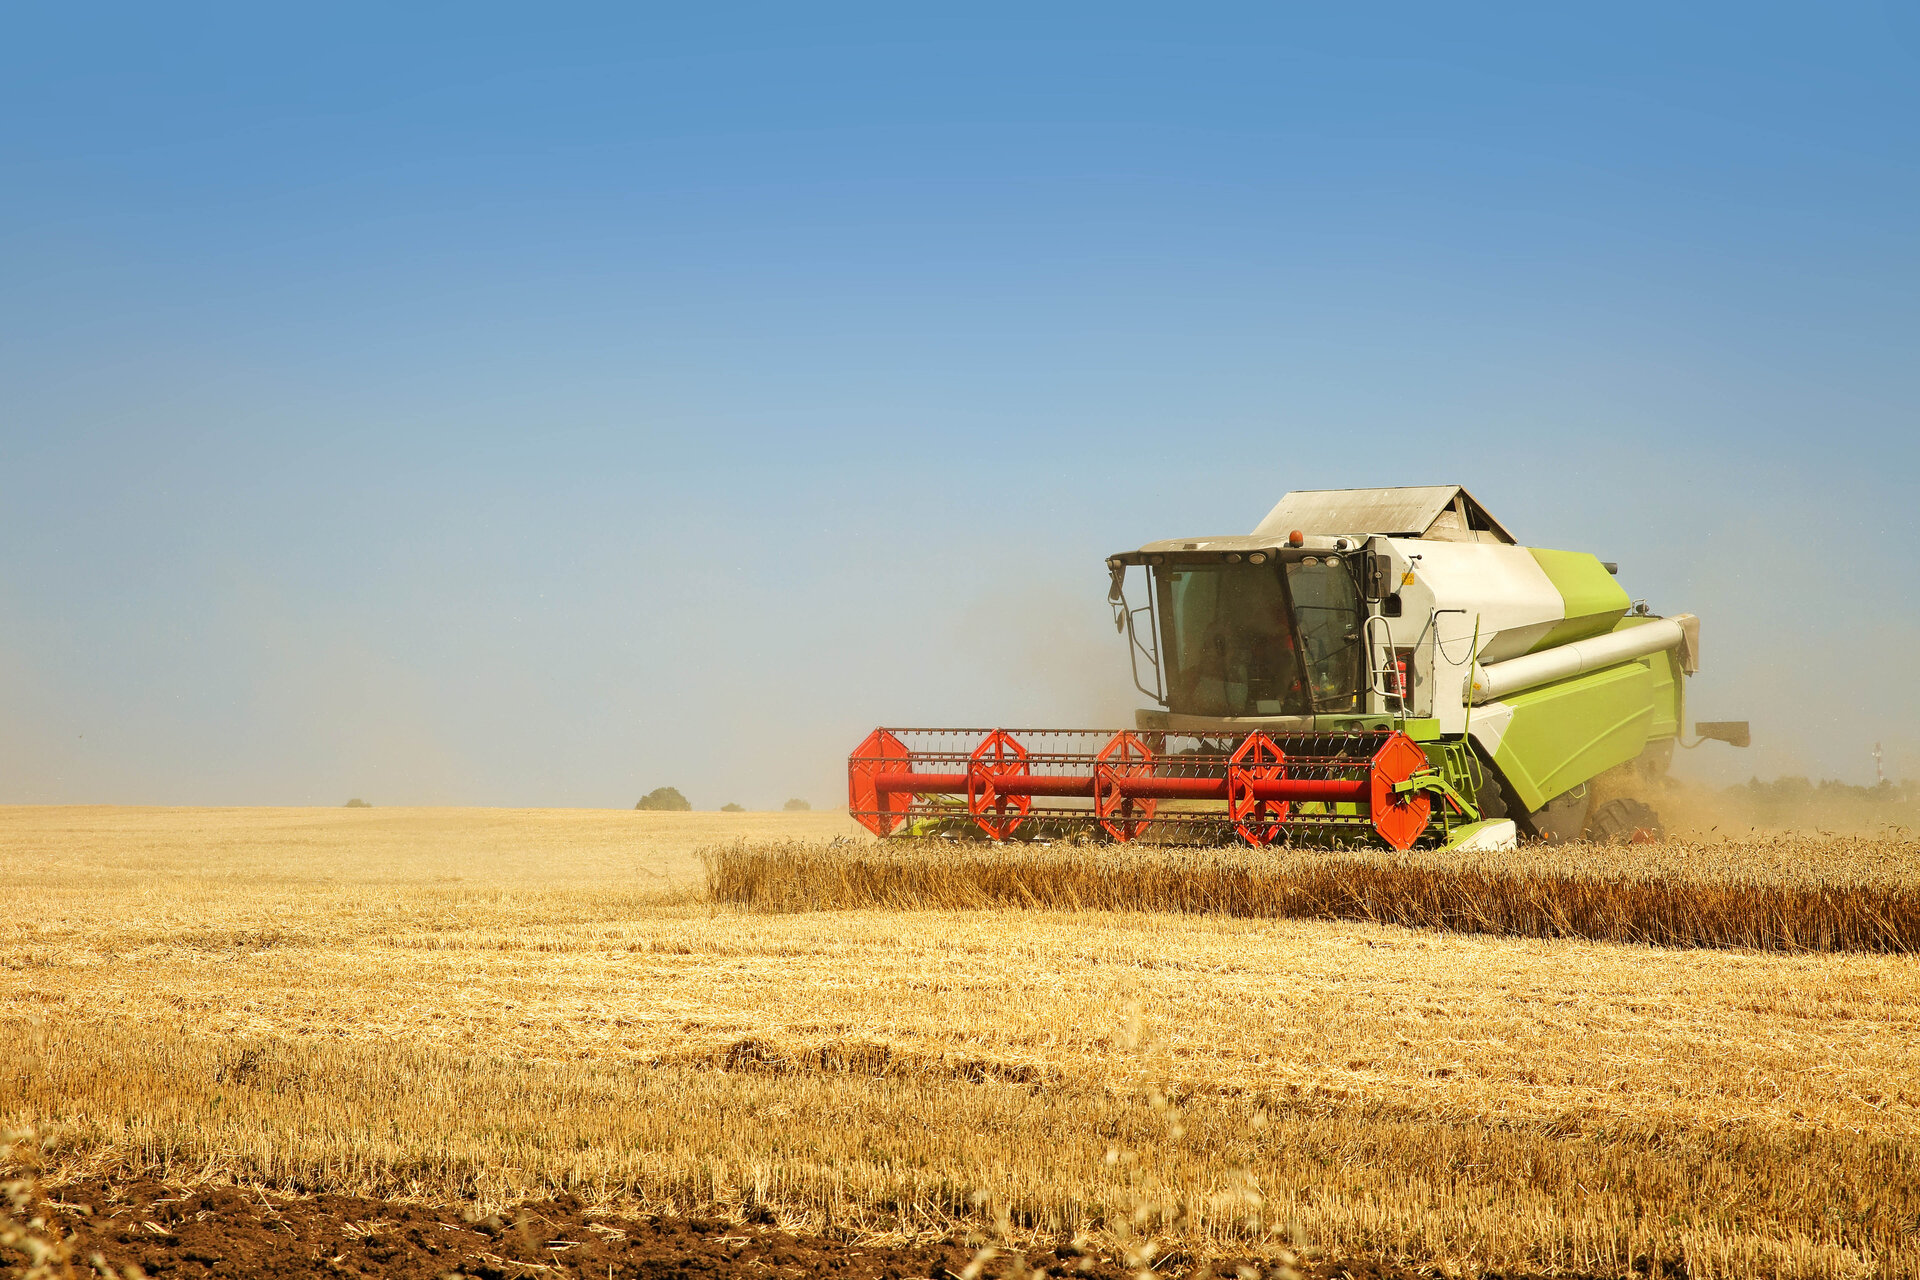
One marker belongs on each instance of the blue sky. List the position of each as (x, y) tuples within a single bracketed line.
[(491, 406)]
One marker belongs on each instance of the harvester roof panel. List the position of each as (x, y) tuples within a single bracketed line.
[(1443, 512)]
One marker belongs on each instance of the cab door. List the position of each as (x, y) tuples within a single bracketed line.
[(1327, 614)]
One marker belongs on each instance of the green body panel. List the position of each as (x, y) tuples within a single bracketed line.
[(1594, 601), (1666, 694), (1563, 734), (1669, 692), (1422, 730), (1419, 729)]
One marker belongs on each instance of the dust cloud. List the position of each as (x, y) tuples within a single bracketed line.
[(1052, 647), (1702, 812)]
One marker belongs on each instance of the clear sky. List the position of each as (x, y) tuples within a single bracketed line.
[(537, 406)]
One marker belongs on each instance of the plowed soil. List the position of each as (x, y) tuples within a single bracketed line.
[(235, 1232)]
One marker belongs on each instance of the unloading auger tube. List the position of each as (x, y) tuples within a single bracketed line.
[(1264, 785)]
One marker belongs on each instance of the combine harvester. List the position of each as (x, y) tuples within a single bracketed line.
[(1367, 667)]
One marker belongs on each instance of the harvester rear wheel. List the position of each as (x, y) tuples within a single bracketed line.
[(1625, 821)]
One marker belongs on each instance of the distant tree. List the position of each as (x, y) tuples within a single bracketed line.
[(664, 798), (796, 805), (357, 803), (733, 808)]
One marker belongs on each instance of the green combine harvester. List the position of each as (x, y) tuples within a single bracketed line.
[(1367, 667)]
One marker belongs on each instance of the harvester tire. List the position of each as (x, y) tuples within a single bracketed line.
[(1625, 821)]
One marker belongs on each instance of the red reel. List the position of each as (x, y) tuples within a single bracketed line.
[(879, 812), (1124, 816), (998, 756), (1258, 821), (1398, 819)]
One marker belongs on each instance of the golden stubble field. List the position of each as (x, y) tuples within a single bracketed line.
[(485, 1005)]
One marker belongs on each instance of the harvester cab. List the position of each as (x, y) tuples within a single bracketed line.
[(1368, 666)]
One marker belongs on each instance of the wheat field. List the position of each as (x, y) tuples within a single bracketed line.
[(489, 1005)]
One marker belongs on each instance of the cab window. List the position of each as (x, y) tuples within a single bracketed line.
[(1230, 645)]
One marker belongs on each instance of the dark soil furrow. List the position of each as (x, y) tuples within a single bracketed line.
[(232, 1232)]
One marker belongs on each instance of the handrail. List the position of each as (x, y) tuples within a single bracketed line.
[(1378, 672)]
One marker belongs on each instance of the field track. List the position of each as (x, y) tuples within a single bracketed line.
[(455, 1013)]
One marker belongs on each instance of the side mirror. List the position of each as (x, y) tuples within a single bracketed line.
[(1732, 732), (1117, 597), (1378, 577)]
